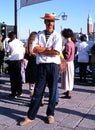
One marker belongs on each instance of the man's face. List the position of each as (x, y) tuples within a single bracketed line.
[(49, 25)]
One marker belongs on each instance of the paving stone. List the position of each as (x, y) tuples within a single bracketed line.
[(83, 128), (77, 113)]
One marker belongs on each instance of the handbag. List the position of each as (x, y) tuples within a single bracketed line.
[(62, 66)]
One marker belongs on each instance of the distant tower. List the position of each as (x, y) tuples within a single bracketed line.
[(89, 24)]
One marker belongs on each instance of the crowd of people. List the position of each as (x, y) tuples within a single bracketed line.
[(39, 60)]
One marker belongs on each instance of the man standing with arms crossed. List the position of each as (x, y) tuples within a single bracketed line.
[(47, 46)]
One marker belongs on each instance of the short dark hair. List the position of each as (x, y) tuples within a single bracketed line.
[(11, 34), (67, 32), (83, 37)]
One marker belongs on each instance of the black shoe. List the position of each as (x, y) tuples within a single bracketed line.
[(65, 93), (11, 96), (42, 103), (19, 95), (66, 97), (56, 103)]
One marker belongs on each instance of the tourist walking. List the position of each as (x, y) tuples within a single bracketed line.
[(83, 57), (15, 52), (2, 53), (67, 78), (31, 68)]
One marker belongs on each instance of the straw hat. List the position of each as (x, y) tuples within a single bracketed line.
[(49, 17)]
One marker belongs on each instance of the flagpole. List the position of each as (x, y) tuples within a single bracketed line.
[(15, 16)]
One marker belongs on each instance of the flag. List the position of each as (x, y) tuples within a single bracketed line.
[(30, 2)]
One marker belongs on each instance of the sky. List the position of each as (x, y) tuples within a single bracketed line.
[(28, 18)]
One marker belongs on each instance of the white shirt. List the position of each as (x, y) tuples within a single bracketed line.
[(83, 52), (16, 49), (54, 41)]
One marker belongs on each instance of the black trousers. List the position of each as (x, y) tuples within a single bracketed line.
[(82, 71), (15, 77), (47, 72)]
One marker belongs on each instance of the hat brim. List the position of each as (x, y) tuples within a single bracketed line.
[(49, 18)]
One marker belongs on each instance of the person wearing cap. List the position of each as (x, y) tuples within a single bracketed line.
[(47, 46)]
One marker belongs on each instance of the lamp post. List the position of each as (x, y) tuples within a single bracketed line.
[(63, 16), (15, 16)]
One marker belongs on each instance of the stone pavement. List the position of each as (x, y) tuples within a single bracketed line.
[(77, 113)]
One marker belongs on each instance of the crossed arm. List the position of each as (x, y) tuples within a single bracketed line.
[(45, 51)]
